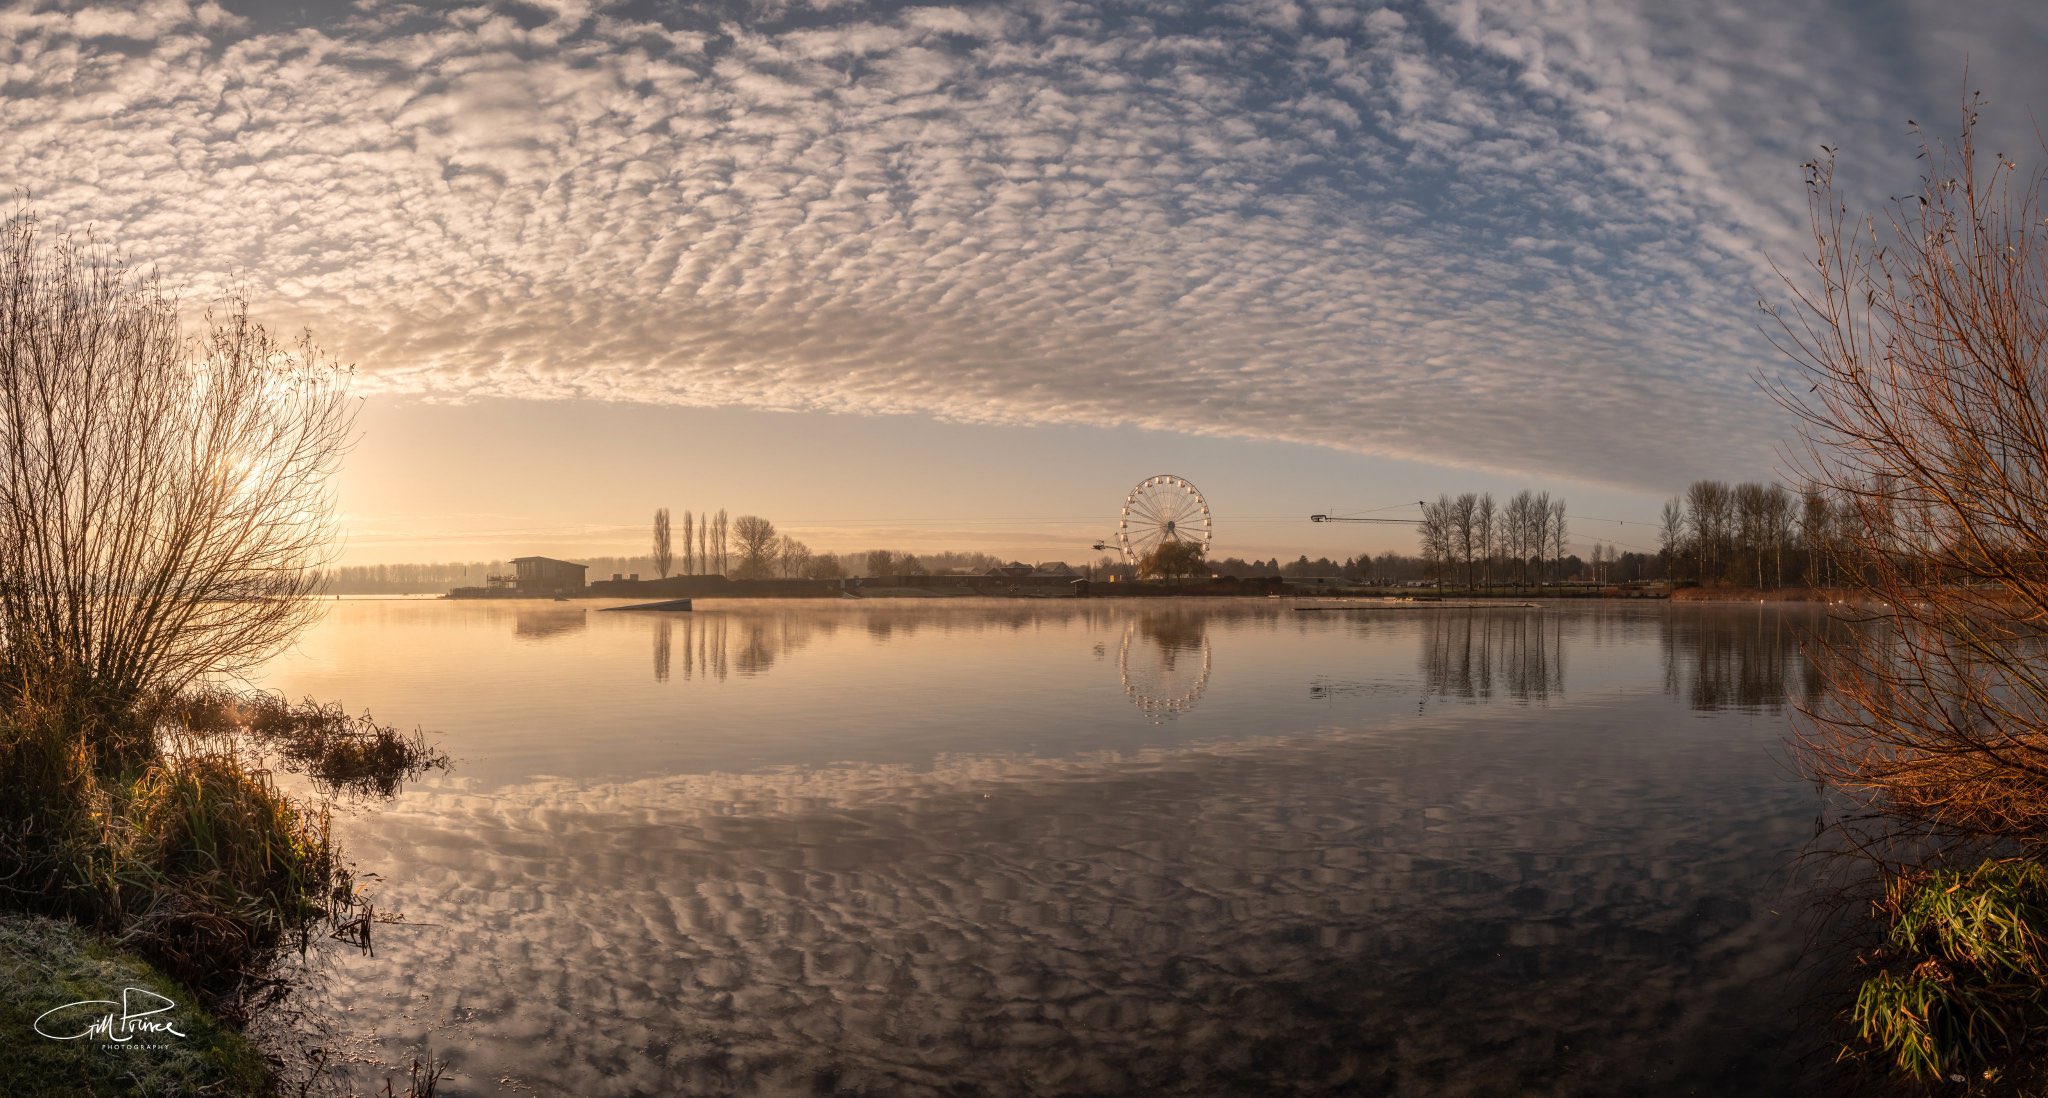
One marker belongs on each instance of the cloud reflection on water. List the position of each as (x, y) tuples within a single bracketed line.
[(1535, 897)]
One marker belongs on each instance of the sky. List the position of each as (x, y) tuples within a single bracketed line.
[(952, 275)]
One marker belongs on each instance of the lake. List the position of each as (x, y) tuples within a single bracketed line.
[(1082, 847)]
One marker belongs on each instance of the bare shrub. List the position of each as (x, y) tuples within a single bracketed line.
[(165, 500), (1923, 337)]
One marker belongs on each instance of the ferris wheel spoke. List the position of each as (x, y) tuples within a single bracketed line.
[(1160, 509)]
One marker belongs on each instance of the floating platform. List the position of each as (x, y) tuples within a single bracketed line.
[(1422, 604), (671, 605)]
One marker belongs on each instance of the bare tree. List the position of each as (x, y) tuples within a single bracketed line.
[(1777, 527), (794, 555), (1438, 535), (1708, 505), (1672, 535), (755, 537), (165, 502), (664, 553), (689, 549), (1750, 505), (1816, 533), (1922, 334), (1556, 529), (1464, 517), (881, 562), (720, 542), (1515, 533), (703, 543), (1487, 527)]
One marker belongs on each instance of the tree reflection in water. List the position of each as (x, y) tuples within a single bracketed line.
[(717, 644), (1739, 657), (1471, 653)]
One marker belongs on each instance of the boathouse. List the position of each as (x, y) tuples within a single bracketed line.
[(548, 576)]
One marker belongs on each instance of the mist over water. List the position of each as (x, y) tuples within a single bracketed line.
[(1107, 847)]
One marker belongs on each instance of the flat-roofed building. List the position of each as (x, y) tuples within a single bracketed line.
[(548, 576)]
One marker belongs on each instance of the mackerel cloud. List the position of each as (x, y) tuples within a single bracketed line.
[(1466, 233)]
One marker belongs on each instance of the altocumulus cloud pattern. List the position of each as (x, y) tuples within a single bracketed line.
[(1380, 228)]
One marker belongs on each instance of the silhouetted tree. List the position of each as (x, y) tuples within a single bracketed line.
[(1464, 519), (1708, 505), (1486, 528), (1537, 538), (1671, 535), (664, 553), (1558, 533), (794, 555), (1174, 559), (1438, 534), (755, 537), (165, 501)]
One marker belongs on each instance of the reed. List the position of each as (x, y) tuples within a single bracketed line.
[(1962, 981), (193, 857), (216, 871), (343, 753)]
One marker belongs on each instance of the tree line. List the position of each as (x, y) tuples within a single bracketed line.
[(707, 544), (790, 559), (1751, 534), (1470, 537), (1757, 535), (751, 547)]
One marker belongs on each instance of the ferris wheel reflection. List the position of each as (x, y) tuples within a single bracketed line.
[(1164, 662)]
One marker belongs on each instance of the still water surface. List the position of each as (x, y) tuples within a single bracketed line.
[(1101, 847)]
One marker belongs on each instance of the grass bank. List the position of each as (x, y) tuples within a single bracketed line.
[(1726, 593), (46, 964), (184, 853), (191, 857)]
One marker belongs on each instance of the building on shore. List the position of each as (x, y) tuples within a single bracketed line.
[(1017, 569), (548, 576)]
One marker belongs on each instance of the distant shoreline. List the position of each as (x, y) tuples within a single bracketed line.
[(1257, 587)]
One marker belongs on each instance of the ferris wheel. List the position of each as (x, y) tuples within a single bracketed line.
[(1161, 509)]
